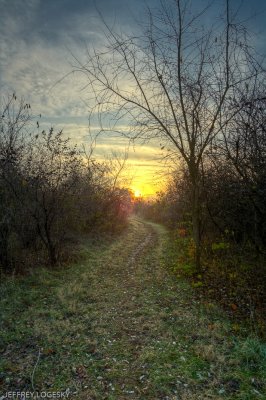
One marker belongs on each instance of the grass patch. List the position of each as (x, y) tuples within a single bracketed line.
[(234, 354), (118, 325), (230, 276)]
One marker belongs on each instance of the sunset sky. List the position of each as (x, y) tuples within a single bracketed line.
[(37, 41)]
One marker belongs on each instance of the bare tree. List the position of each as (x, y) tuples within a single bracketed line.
[(241, 155), (15, 118), (176, 82), (49, 193), (51, 171), (38, 177)]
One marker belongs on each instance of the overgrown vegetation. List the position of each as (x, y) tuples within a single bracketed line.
[(232, 213), (233, 219), (49, 192)]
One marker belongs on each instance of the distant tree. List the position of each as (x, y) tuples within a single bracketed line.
[(105, 200)]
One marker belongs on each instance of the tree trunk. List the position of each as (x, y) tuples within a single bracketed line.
[(50, 245), (196, 217), (52, 254), (5, 259)]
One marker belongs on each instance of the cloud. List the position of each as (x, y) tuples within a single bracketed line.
[(35, 60), (38, 39)]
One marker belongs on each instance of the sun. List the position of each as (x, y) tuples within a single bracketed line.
[(137, 193)]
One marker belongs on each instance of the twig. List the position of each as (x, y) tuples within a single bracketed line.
[(34, 369)]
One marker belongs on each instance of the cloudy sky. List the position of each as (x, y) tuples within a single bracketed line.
[(37, 41)]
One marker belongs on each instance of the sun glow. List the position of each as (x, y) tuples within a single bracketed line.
[(137, 193)]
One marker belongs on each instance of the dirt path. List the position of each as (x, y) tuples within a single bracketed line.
[(120, 326), (124, 313), (135, 353)]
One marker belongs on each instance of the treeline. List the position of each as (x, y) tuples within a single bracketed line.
[(49, 192), (232, 194), (232, 185)]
